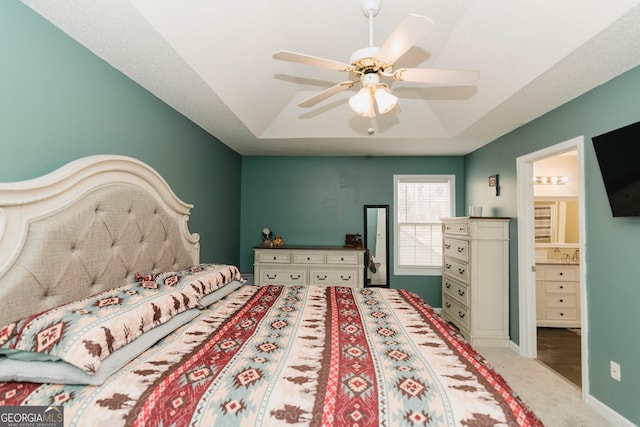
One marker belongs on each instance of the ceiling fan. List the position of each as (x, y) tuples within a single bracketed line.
[(371, 63)]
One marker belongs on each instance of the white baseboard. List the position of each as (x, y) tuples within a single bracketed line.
[(603, 410), (608, 413)]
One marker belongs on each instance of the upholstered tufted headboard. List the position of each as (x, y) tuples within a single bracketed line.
[(87, 227)]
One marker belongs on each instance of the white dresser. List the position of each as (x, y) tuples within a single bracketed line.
[(309, 265), (558, 295), (475, 278)]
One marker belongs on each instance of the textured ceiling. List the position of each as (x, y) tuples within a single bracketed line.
[(212, 61)]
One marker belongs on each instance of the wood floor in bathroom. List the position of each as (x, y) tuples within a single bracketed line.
[(560, 350)]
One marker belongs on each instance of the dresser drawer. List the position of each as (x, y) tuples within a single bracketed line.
[(308, 257), (344, 258), (454, 312), (561, 287), (561, 313), (560, 300), (456, 269), (461, 228), (456, 248), (344, 277), (274, 257), (457, 291), (283, 276), (561, 272), (305, 265)]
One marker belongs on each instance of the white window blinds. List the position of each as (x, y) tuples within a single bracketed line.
[(420, 202)]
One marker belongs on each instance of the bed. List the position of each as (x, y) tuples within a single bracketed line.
[(108, 314)]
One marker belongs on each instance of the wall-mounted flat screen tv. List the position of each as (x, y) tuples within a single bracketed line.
[(618, 154)]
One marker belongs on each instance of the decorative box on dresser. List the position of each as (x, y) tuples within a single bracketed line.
[(475, 278), (558, 295), (309, 265)]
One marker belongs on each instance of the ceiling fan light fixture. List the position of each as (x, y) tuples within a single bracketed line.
[(385, 100), (369, 64), (362, 103)]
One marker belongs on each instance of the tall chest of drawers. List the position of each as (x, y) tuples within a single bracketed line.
[(309, 265), (475, 278)]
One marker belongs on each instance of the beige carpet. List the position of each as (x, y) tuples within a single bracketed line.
[(556, 401)]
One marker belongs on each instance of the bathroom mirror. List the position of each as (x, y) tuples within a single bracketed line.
[(556, 221), (376, 241)]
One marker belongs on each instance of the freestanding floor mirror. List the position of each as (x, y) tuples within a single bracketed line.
[(376, 241)]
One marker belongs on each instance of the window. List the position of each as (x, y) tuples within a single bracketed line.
[(420, 201)]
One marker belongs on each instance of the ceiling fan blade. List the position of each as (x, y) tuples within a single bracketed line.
[(410, 30), (326, 94), (285, 55), (435, 76)]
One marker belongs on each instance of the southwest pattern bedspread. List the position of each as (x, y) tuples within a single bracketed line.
[(298, 355)]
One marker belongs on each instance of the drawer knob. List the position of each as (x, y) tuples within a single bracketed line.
[(271, 278), (308, 258), (321, 278), (341, 259), (275, 257), (561, 300), (561, 314), (345, 278), (460, 292), (460, 249), (447, 285), (294, 277), (461, 315), (561, 287), (561, 273), (448, 305), (447, 266), (461, 270), (448, 246)]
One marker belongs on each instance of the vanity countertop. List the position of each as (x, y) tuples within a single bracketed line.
[(557, 261)]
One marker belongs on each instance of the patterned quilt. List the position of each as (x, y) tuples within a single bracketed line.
[(297, 355)]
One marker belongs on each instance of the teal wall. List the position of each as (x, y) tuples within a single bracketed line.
[(59, 102), (612, 244), (317, 200)]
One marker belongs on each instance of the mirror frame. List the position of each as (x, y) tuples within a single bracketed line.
[(365, 239)]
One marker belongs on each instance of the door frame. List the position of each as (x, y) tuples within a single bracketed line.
[(526, 251)]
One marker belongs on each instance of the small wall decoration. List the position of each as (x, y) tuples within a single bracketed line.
[(494, 187)]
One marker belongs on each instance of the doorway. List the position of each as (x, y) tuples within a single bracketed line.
[(528, 313), (557, 244)]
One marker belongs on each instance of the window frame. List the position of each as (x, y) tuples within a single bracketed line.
[(432, 270)]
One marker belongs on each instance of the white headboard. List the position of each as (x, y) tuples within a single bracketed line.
[(87, 227)]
